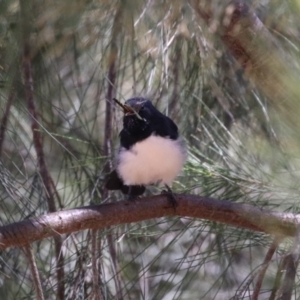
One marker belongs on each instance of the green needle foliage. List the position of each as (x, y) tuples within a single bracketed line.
[(61, 65)]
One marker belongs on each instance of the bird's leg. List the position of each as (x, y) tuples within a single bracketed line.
[(133, 191), (130, 196), (170, 195)]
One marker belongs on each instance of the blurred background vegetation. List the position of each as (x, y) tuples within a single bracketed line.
[(62, 62)]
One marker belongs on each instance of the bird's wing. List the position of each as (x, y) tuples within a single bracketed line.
[(165, 127), (113, 181)]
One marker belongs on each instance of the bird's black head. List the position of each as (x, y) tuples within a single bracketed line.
[(141, 119), (141, 110)]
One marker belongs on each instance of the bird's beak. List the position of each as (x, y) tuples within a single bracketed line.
[(127, 109)]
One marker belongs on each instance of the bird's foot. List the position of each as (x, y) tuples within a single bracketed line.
[(133, 198), (171, 196), (133, 192)]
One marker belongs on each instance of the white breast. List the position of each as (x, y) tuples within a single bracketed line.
[(151, 160)]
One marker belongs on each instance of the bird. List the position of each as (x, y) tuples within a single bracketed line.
[(151, 150)]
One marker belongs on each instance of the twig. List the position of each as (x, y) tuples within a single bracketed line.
[(123, 212), (34, 272), (264, 268), (113, 56), (132, 47), (4, 120), (111, 84), (280, 270), (173, 105), (260, 272), (37, 140), (292, 262), (43, 168), (115, 265), (79, 268), (95, 271)]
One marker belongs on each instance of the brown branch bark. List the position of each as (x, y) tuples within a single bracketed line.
[(122, 212)]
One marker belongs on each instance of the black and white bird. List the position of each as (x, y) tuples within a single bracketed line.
[(151, 150)]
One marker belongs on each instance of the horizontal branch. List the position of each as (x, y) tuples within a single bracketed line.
[(105, 215)]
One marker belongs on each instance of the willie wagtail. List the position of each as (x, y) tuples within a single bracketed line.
[(150, 152)]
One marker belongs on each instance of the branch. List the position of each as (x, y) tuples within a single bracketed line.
[(25, 9), (279, 274), (34, 273), (3, 123), (292, 262), (122, 212), (112, 77), (264, 268), (96, 272)]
